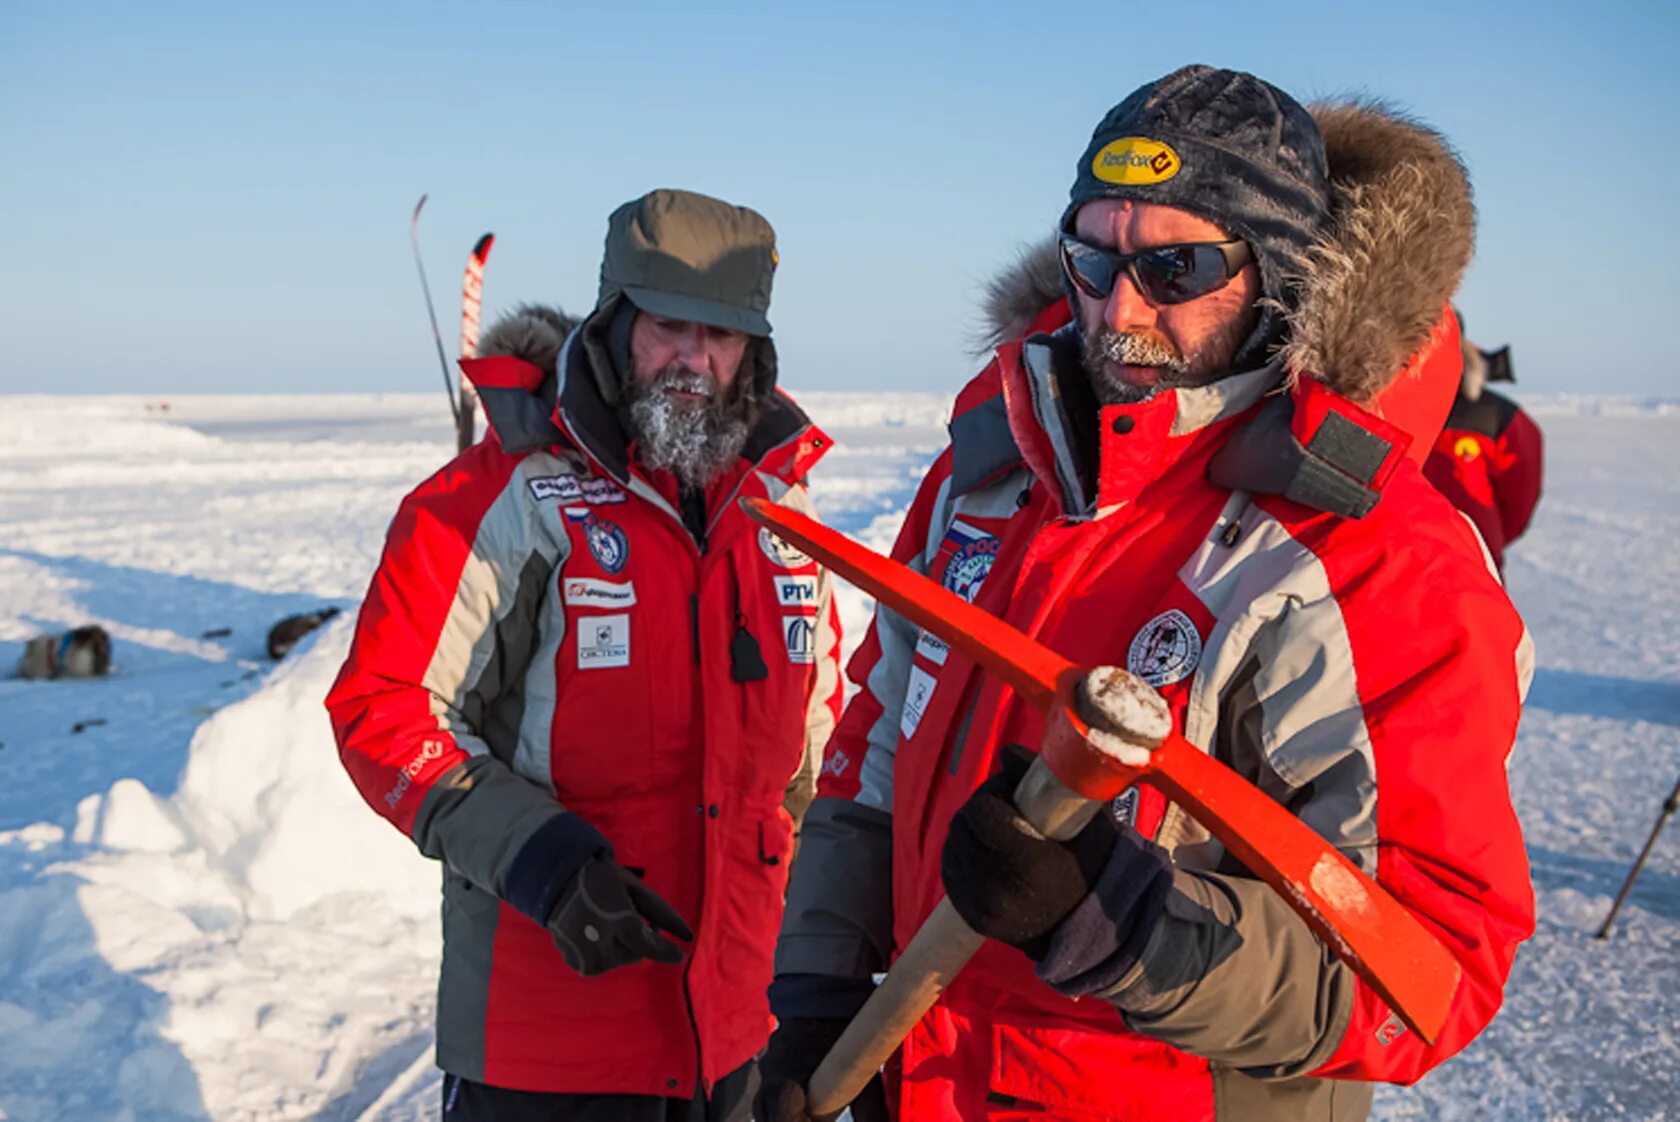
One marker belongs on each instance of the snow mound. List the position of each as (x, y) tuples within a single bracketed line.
[(266, 802)]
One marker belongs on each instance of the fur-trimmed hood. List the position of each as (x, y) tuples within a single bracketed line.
[(1402, 231), (533, 332)]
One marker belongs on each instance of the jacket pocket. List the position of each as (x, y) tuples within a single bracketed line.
[(1050, 1070), (602, 743), (775, 840)]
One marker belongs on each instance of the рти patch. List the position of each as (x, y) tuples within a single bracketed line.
[(796, 592)]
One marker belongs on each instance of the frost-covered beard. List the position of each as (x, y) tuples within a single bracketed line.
[(1151, 348), (694, 440)]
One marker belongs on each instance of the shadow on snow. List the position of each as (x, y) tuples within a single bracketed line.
[(1656, 891), (1596, 695), (138, 722), (61, 993)]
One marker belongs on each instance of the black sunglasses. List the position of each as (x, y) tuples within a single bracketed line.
[(1166, 274)]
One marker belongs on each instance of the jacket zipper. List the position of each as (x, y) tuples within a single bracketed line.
[(656, 500), (751, 471), (694, 623), (694, 1027), (705, 841)]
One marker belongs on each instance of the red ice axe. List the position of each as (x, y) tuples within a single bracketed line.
[(1105, 731)]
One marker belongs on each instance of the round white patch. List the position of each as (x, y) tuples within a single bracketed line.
[(1166, 649), (785, 554)]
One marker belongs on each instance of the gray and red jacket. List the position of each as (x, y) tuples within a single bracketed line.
[(1488, 460), (1316, 615), (547, 665)]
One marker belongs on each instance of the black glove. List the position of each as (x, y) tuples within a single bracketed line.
[(796, 1048), (1008, 881), (605, 918)]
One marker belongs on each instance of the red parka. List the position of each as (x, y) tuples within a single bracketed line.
[(1264, 553), (1489, 461), (543, 639)]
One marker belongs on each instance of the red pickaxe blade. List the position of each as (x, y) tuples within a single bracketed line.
[(1035, 671), (1365, 926)]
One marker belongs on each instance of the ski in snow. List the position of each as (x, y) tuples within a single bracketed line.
[(426, 289)]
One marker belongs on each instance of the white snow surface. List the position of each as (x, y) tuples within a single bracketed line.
[(199, 919)]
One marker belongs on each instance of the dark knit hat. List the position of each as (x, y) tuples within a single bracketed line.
[(1224, 145)]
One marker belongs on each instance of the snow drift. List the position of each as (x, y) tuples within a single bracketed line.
[(265, 805)]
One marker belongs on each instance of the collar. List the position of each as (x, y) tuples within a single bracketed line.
[(518, 401), (1313, 447), (1066, 440)]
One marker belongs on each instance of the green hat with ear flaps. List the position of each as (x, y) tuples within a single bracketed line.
[(690, 257)]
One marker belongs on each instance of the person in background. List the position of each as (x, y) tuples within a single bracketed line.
[(589, 685), (1489, 459)]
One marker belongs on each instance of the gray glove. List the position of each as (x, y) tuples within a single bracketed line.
[(606, 918)]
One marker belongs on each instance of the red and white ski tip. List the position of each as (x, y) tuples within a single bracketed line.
[(472, 294)]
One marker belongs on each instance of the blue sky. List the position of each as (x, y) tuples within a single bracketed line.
[(215, 197)]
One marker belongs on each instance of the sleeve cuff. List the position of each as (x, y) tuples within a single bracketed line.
[(1100, 941), (549, 859)]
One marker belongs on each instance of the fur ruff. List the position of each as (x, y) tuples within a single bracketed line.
[(1016, 296), (1402, 231), (533, 332)]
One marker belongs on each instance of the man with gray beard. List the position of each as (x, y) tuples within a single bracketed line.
[(685, 423), (587, 683)]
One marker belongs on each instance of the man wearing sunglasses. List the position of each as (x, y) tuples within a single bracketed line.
[(1185, 459)]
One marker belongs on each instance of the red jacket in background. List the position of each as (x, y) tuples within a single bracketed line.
[(1487, 460)]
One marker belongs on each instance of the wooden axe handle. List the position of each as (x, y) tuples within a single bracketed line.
[(941, 948)]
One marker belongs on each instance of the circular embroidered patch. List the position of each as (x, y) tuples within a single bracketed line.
[(1165, 650), (785, 554), (607, 543), (969, 566)]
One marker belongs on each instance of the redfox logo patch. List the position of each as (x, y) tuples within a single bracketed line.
[(1135, 160)]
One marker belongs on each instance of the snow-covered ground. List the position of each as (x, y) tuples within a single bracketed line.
[(200, 920)]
